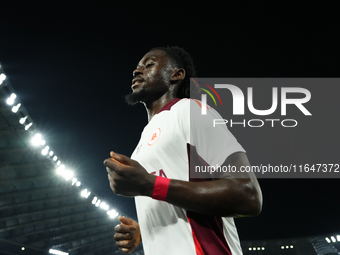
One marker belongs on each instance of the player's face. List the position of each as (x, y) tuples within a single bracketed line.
[(151, 79)]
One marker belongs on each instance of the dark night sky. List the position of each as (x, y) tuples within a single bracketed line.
[(71, 64)]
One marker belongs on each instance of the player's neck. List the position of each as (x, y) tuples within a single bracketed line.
[(153, 108)]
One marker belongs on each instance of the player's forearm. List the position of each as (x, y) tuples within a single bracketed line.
[(229, 196), (223, 197)]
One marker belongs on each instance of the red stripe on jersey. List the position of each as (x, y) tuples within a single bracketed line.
[(198, 247), (208, 229), (208, 234)]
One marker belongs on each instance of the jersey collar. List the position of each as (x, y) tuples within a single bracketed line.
[(168, 106)]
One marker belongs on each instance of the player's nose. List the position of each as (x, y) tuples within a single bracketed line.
[(137, 72)]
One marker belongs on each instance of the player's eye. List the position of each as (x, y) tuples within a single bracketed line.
[(148, 65)]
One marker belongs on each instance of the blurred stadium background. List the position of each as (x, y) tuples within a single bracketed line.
[(45, 209)]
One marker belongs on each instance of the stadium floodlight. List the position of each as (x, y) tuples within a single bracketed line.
[(262, 248), (22, 120), (113, 214), (338, 238), (291, 246), (333, 239), (11, 99), (94, 200), (56, 252), (250, 248), (78, 183), (36, 140), (51, 153), (28, 126), (45, 150), (258, 248), (74, 180), (104, 206), (282, 247), (67, 174), (98, 203), (16, 108), (55, 158), (60, 169), (328, 240), (2, 78), (22, 248), (85, 193), (59, 162)]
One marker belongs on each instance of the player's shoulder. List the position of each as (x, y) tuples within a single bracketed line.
[(193, 106), (189, 103)]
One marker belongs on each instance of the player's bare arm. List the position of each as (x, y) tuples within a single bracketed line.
[(229, 197)]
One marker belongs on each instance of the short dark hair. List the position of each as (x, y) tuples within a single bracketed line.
[(181, 59)]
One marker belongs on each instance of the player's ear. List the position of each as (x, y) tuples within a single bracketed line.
[(178, 74)]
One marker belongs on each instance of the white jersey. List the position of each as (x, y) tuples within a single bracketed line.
[(163, 150)]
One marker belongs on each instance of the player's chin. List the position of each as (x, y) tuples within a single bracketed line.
[(135, 97), (137, 87)]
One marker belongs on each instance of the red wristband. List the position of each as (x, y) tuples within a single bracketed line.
[(160, 189)]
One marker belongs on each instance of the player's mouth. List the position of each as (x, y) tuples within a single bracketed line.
[(136, 82)]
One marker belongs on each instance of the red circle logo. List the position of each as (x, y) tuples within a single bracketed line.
[(154, 137)]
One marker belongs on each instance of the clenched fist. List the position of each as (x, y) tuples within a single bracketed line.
[(127, 177), (127, 235)]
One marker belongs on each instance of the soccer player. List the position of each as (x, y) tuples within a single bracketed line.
[(176, 214)]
